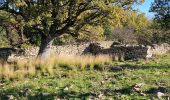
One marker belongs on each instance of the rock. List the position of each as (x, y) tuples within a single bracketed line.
[(127, 52), (116, 43), (160, 94), (26, 92), (158, 83), (137, 87), (66, 88), (100, 96), (10, 97), (102, 82), (95, 48), (142, 94)]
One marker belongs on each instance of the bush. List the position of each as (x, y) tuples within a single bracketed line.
[(3, 39)]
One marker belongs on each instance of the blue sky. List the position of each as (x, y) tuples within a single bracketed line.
[(145, 8)]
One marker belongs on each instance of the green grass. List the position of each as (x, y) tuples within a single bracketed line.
[(116, 82)]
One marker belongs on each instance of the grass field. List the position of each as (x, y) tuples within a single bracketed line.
[(87, 78)]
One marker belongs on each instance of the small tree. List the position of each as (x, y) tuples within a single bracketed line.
[(53, 18)]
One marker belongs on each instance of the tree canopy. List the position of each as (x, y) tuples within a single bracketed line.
[(162, 10), (53, 18)]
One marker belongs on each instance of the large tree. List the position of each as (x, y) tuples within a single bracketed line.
[(161, 8), (53, 18)]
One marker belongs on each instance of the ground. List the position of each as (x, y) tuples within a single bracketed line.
[(130, 80)]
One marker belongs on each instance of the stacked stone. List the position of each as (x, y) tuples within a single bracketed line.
[(116, 50), (95, 48), (32, 52), (159, 49)]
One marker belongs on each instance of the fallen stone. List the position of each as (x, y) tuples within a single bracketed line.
[(137, 87), (10, 97), (160, 95)]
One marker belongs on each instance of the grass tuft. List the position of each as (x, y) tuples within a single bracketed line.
[(25, 68)]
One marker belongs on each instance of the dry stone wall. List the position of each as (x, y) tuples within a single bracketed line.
[(72, 49), (121, 52), (118, 52), (159, 49)]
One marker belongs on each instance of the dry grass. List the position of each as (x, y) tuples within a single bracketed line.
[(26, 68)]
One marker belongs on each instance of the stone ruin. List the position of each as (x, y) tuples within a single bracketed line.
[(121, 52), (129, 52), (117, 51)]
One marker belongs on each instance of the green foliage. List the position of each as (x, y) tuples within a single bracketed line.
[(108, 32), (64, 39), (133, 27), (161, 36), (161, 23), (137, 21), (12, 27), (3, 38), (82, 19), (91, 33), (161, 8)]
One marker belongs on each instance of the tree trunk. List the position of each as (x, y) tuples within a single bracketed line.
[(45, 47)]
